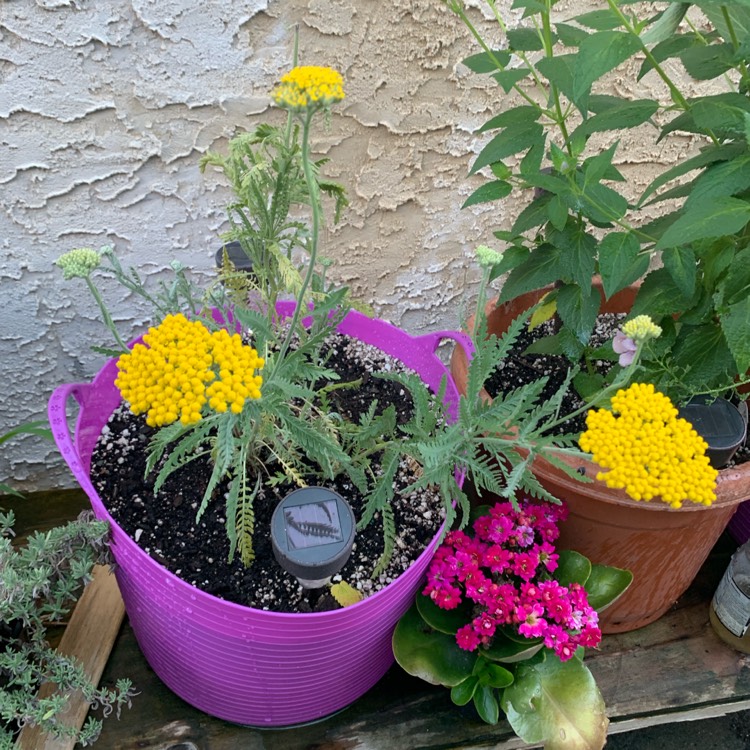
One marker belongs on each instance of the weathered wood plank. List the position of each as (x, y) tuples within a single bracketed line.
[(89, 637)]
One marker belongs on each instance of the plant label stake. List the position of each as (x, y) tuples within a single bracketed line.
[(312, 532)]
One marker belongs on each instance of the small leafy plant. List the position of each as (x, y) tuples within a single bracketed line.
[(560, 145), (504, 620)]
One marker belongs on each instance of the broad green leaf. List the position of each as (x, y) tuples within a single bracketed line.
[(606, 584), (739, 16), (597, 55), (735, 324), (462, 693), (620, 263), (572, 567), (578, 308), (723, 112), (558, 71), (596, 167), (534, 214), (493, 675), (486, 704), (706, 62), (510, 77), (506, 651), (558, 704), (602, 204), (570, 36), (557, 210), (714, 218), (491, 191), (588, 384), (658, 296), (625, 115), (578, 249), (510, 141), (673, 47), (524, 40), (599, 20), (725, 178), (735, 286), (484, 62), (704, 355), (665, 24), (531, 7), (680, 262), (429, 655), (443, 620), (542, 267), (511, 118), (710, 155)]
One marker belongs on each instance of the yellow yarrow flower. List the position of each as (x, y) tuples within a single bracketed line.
[(185, 367), (649, 450), (309, 86), (641, 328)]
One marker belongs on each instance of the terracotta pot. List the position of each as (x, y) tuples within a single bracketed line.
[(662, 547)]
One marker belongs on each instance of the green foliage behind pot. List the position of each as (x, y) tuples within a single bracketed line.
[(559, 148)]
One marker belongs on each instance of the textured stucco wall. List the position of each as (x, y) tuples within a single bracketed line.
[(107, 105)]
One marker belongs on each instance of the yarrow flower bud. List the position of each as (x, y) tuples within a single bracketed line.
[(487, 257), (641, 328), (78, 263), (650, 450), (186, 367), (309, 86)]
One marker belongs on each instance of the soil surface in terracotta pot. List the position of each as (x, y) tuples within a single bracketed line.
[(164, 525)]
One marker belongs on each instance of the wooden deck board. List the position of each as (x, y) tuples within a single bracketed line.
[(674, 670)]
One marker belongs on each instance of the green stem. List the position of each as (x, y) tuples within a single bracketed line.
[(554, 93), (733, 38), (105, 314)]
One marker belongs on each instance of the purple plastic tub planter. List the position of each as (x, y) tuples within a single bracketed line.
[(239, 664)]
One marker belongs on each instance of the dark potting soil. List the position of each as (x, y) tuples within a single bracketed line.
[(164, 525)]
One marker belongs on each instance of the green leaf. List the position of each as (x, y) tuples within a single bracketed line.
[(722, 112), (703, 354), (494, 675), (511, 118), (507, 651), (597, 55), (533, 215), (619, 261), (558, 212), (578, 308), (626, 114), (524, 40), (345, 594), (723, 179), (484, 62), (706, 62), (714, 218), (429, 655), (510, 141), (602, 204), (541, 268), (606, 584), (666, 49), (556, 703), (665, 24), (680, 262), (462, 693), (570, 36), (510, 77), (491, 191), (599, 20), (658, 295), (578, 249), (572, 567), (558, 71), (735, 324), (486, 704), (446, 621)]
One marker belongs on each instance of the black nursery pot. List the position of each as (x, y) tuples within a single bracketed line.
[(236, 255), (719, 423)]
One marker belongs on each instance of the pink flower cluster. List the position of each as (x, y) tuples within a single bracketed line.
[(505, 570)]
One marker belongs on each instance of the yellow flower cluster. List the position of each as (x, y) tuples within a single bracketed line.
[(641, 328), (308, 85), (650, 451), (184, 367)]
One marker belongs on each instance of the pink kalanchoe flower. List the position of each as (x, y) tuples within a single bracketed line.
[(547, 556), (531, 624), (466, 638), (525, 564), (447, 597), (625, 347)]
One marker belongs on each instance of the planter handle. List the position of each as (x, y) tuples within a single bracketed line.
[(57, 413), (433, 341)]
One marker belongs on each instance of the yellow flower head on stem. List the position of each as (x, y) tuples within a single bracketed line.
[(184, 368), (309, 86), (641, 328), (649, 450)]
